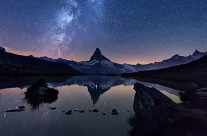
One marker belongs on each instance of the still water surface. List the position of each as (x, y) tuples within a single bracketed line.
[(82, 93)]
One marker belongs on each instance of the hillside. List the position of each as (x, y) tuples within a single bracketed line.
[(17, 64), (193, 71)]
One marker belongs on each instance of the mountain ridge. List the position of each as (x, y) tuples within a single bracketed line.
[(172, 61), (193, 71), (20, 65), (99, 64)]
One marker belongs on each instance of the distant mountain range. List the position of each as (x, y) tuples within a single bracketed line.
[(173, 61), (97, 64), (22, 65), (193, 71)]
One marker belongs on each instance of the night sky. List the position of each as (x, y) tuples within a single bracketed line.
[(126, 31)]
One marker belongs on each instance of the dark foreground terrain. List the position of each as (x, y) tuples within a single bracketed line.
[(156, 114)]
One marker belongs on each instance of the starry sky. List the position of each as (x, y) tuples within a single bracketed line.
[(126, 31)]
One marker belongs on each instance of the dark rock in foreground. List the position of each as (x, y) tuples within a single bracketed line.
[(21, 107), (95, 110), (147, 98), (156, 114), (103, 113), (114, 112), (52, 108), (81, 111), (40, 93), (69, 112)]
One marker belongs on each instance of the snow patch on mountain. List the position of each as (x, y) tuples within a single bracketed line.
[(99, 64)]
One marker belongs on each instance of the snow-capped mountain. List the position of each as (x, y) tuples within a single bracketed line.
[(99, 64), (173, 61)]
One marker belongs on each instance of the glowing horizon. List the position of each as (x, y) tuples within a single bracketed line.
[(122, 61), (126, 32)]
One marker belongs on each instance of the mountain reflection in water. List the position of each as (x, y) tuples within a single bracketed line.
[(141, 111), (97, 85)]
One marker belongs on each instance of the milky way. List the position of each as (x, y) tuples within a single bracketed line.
[(127, 31)]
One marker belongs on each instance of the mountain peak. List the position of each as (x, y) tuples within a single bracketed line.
[(196, 52), (97, 55), (31, 56), (97, 51), (176, 56)]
